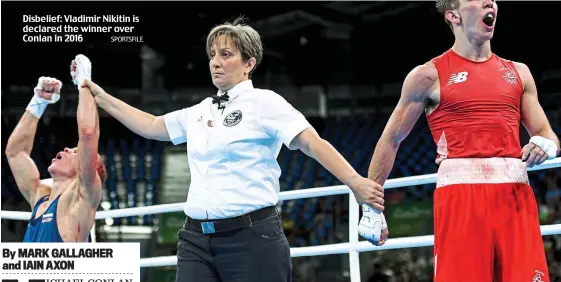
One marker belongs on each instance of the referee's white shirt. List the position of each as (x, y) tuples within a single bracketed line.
[(233, 152)]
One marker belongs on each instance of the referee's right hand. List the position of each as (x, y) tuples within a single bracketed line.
[(368, 192)]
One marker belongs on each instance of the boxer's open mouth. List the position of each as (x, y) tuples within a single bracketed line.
[(489, 19)]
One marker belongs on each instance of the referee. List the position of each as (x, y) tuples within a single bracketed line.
[(233, 231)]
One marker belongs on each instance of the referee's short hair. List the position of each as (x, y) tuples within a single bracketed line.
[(245, 39)]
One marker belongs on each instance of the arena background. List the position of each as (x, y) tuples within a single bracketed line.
[(340, 63)]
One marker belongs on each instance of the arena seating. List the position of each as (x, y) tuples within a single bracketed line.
[(355, 137), (136, 163)]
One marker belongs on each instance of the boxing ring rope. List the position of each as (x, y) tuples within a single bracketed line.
[(353, 247)]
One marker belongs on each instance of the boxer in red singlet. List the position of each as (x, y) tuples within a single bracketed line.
[(485, 214)]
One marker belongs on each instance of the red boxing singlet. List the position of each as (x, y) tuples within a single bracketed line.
[(479, 111)]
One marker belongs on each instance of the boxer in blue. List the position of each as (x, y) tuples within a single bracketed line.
[(64, 208)]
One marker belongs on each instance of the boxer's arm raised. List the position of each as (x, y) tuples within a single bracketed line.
[(414, 96), (88, 157), (140, 122), (18, 150), (533, 116), (20, 143)]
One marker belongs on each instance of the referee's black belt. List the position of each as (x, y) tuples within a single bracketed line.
[(229, 224)]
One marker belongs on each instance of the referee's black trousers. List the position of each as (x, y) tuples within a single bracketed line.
[(256, 253)]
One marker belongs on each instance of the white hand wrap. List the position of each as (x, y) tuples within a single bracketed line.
[(83, 70), (547, 145), (371, 224), (37, 105)]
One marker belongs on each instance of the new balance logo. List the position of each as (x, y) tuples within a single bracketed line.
[(538, 277), (458, 77)]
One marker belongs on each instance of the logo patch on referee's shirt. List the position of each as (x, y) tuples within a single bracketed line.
[(233, 118)]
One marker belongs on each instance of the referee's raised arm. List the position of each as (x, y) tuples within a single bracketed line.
[(139, 122)]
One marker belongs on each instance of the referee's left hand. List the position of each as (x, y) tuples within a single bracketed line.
[(368, 192)]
